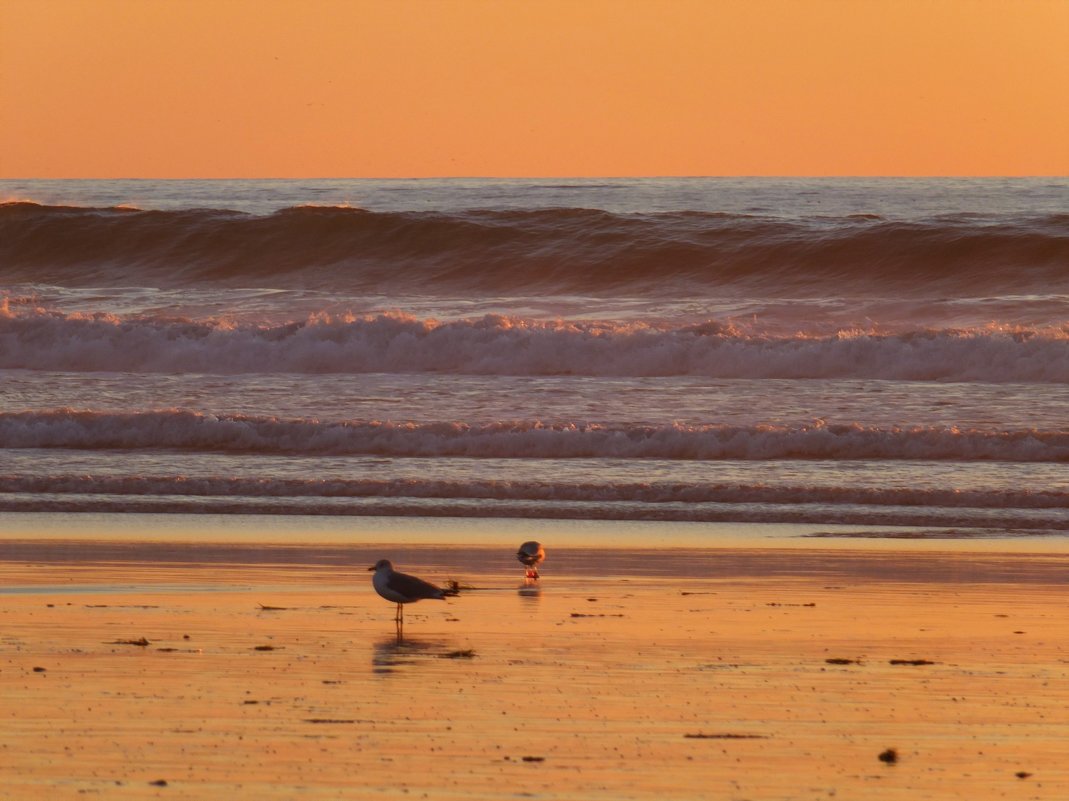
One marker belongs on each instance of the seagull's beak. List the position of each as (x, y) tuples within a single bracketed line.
[(371, 568)]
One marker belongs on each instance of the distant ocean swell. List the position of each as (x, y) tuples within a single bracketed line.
[(32, 338), (191, 431), (548, 250)]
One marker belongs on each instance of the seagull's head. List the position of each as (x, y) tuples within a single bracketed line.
[(382, 564)]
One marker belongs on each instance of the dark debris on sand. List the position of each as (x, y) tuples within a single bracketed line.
[(468, 653), (584, 614), (912, 662), (141, 642)]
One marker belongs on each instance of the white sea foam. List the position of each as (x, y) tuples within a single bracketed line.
[(192, 431), (500, 345)]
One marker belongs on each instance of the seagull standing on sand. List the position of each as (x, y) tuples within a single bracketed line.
[(531, 555), (401, 588)]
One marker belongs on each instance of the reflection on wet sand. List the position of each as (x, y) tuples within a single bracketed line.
[(390, 654), (531, 588)]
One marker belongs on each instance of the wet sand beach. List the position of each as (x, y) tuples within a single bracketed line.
[(259, 670)]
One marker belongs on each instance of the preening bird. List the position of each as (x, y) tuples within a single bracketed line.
[(531, 555)]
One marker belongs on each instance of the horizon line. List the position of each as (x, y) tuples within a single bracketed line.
[(778, 177)]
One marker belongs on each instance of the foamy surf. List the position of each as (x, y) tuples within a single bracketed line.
[(186, 430), (43, 339), (856, 352)]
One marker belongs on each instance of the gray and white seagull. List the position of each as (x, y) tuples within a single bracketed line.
[(402, 588)]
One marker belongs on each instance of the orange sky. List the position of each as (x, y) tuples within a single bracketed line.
[(409, 88)]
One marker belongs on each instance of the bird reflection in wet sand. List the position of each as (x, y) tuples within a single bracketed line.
[(391, 654), (402, 589), (531, 555)]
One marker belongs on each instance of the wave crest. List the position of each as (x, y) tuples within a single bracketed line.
[(182, 430), (557, 251), (39, 339)]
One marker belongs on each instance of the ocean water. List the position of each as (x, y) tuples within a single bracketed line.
[(890, 352)]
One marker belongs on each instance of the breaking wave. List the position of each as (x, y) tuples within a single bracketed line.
[(559, 251), (182, 430), (39, 339)]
